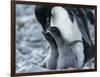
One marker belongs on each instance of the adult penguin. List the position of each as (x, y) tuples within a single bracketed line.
[(67, 58), (51, 60), (69, 30), (43, 14)]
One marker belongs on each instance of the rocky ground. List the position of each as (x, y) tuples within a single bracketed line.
[(31, 46)]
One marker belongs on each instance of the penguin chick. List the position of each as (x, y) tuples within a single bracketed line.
[(51, 59), (66, 57)]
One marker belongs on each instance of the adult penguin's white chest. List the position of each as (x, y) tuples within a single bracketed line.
[(62, 21)]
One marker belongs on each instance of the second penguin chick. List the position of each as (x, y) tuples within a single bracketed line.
[(66, 58), (51, 60)]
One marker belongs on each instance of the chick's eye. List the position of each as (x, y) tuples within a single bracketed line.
[(55, 31)]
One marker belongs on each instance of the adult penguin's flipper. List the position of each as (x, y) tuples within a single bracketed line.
[(82, 30), (83, 26)]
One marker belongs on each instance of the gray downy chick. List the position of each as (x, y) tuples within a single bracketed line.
[(66, 58), (51, 59)]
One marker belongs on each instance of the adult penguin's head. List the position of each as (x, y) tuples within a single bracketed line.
[(43, 14)]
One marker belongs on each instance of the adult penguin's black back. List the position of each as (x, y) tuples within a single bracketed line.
[(43, 14)]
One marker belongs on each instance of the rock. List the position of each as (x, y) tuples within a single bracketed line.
[(31, 68)]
